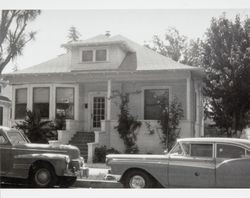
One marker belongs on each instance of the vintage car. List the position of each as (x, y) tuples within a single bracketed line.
[(193, 162), (42, 165)]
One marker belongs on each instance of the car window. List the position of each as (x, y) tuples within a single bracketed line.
[(186, 148), (2, 139), (177, 150), (16, 137), (201, 150), (229, 151)]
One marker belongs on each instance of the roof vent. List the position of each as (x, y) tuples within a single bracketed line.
[(107, 34)]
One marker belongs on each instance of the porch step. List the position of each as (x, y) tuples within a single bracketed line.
[(81, 140)]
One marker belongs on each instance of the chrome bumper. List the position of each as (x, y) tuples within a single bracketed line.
[(77, 168)]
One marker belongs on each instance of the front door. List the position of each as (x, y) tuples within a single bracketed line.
[(98, 110)]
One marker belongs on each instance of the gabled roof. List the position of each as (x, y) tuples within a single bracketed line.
[(138, 58)]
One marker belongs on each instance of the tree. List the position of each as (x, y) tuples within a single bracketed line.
[(226, 60), (13, 35), (35, 129), (192, 54), (73, 35), (171, 113), (127, 124), (172, 45)]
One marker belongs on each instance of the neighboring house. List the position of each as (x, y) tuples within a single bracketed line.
[(5, 106), (81, 83)]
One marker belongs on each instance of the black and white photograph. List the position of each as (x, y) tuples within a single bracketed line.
[(119, 98)]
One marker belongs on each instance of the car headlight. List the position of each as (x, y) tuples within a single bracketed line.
[(67, 159)]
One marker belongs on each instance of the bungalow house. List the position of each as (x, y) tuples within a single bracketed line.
[(80, 84)]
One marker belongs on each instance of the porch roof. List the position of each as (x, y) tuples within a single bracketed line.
[(138, 58)]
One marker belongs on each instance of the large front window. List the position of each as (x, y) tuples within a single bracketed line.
[(65, 102), (41, 101), (152, 100), (21, 103)]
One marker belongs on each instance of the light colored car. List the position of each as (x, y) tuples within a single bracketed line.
[(193, 162), (43, 165)]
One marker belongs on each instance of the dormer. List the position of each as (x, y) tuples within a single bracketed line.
[(98, 53)]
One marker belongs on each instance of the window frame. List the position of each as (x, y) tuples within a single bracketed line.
[(87, 61), (15, 100), (150, 88), (74, 100), (230, 144), (49, 102), (94, 54), (198, 157)]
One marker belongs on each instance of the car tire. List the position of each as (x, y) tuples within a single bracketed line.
[(137, 179), (43, 176), (66, 182)]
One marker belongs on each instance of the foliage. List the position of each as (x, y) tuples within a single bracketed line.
[(177, 47), (171, 113), (172, 45), (60, 122), (101, 152), (73, 35), (13, 37), (35, 129), (127, 124), (226, 59)]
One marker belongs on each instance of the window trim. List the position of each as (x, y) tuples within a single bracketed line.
[(76, 98), (230, 144), (14, 100), (152, 87), (37, 87), (94, 54)]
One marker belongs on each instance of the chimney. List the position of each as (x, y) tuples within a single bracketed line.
[(107, 34)]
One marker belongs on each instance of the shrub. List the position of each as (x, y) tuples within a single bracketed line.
[(101, 152), (35, 129)]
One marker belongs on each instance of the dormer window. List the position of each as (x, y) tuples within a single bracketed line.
[(87, 55), (101, 55), (97, 55)]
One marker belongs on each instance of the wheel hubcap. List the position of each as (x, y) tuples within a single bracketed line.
[(137, 181), (42, 177)]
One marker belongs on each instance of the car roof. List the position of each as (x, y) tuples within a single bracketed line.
[(244, 142)]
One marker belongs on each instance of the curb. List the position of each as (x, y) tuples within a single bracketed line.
[(84, 183)]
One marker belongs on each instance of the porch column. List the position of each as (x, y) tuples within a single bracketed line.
[(109, 101), (189, 97)]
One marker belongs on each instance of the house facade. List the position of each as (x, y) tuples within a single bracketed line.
[(5, 105), (82, 83)]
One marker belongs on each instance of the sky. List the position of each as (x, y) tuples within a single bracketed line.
[(138, 25)]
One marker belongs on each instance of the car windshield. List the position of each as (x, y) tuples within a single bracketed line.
[(16, 138)]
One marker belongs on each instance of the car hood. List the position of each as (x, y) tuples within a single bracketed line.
[(70, 150), (133, 156)]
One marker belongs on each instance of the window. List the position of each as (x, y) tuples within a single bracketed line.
[(201, 150), (41, 101), (2, 139), (21, 103), (65, 102), (177, 150), (152, 100), (101, 55), (1, 116), (229, 151), (87, 56)]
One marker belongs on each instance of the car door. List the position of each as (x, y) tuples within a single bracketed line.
[(232, 166), (196, 168), (5, 154)]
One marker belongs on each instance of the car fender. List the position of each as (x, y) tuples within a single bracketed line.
[(22, 163), (157, 171)]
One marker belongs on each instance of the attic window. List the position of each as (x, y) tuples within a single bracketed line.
[(87, 56), (101, 55)]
